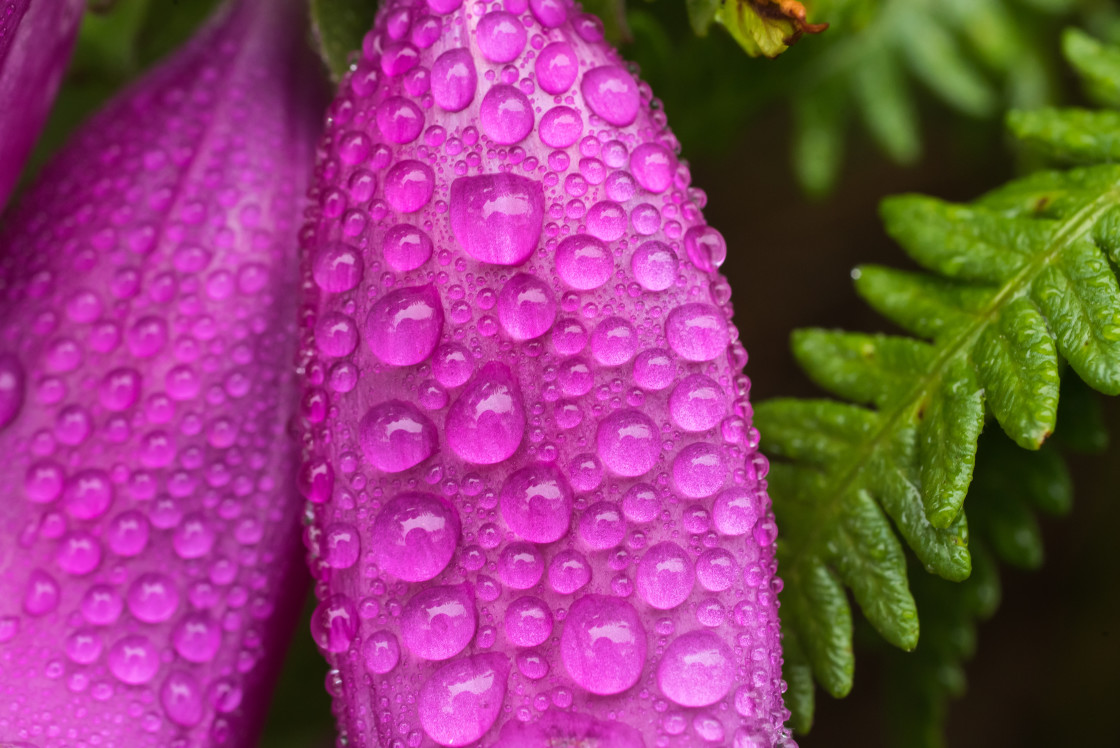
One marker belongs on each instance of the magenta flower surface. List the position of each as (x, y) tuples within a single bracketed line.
[(150, 564), (36, 38), (540, 515)]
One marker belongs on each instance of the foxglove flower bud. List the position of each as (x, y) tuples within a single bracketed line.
[(540, 515), (35, 43), (149, 524)]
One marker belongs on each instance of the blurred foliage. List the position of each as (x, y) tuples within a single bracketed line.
[(338, 27), (1020, 285)]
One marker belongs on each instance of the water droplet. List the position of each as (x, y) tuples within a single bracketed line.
[(735, 512), (654, 266), (629, 443), (497, 218), (83, 646), (601, 526), (486, 423), (603, 645), (409, 185), (406, 247), (414, 536), (500, 36), (153, 597), (88, 494), (606, 220), (556, 68), (526, 307), (181, 698), (334, 624), (337, 268), (461, 701), (520, 565), (101, 605), (654, 369), (343, 545), (133, 660), (665, 576), (697, 669), (568, 572), (612, 93), (697, 332), (528, 622), (404, 326), (561, 126), (584, 262), (640, 504), (197, 637), (42, 593), (438, 622), (506, 115), (614, 341), (395, 436), (697, 403), (654, 166), (399, 120), (119, 389), (44, 482), (536, 503), (79, 553), (454, 80), (11, 388), (706, 247), (336, 335), (381, 652), (698, 470), (127, 533), (452, 365)]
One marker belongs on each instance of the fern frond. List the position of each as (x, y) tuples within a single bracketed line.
[(1019, 285)]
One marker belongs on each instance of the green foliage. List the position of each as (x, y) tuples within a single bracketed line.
[(338, 26), (1019, 286)]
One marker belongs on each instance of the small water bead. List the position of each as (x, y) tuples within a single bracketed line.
[(404, 326), (708, 728), (461, 701), (654, 369), (406, 247), (342, 545), (395, 436), (101, 605), (409, 185), (337, 268), (334, 624), (12, 383), (612, 93), (88, 494), (194, 537), (42, 594), (715, 569), (452, 365), (665, 576), (654, 265), (79, 553), (354, 147), (569, 337), (698, 470), (585, 471), (497, 218), (640, 503), (697, 403), (601, 527), (654, 166), (454, 80), (526, 307), (697, 669), (73, 425), (119, 389), (536, 503), (561, 126), (133, 660), (486, 423), (381, 652), (528, 622), (550, 13), (181, 697), (568, 414), (584, 262), (697, 332), (628, 442), (500, 36), (336, 334), (606, 220), (568, 572), (197, 637), (603, 645), (614, 341), (532, 664), (706, 247), (153, 597), (439, 622), (399, 120), (147, 336), (398, 58), (520, 565), (735, 512), (84, 646), (414, 536)]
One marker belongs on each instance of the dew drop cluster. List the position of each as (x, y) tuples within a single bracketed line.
[(536, 508)]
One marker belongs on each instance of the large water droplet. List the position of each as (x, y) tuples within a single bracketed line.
[(697, 332), (520, 565), (404, 326), (506, 115), (698, 470), (381, 652), (454, 80), (603, 645), (526, 307), (556, 68), (486, 423), (409, 185), (439, 622), (399, 120), (462, 700), (497, 218), (629, 443), (406, 247), (665, 576), (614, 341), (697, 669), (197, 637), (612, 93), (584, 262), (697, 403), (568, 572), (560, 127), (334, 624), (654, 166), (500, 36), (181, 698), (133, 660), (536, 503), (414, 536), (153, 597), (528, 621), (654, 266), (735, 512)]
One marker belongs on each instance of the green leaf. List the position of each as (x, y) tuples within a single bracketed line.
[(339, 26), (765, 27), (1019, 285), (799, 677), (1098, 65), (701, 14), (1069, 135)]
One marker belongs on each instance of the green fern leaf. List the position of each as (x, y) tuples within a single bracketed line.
[(1019, 287)]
